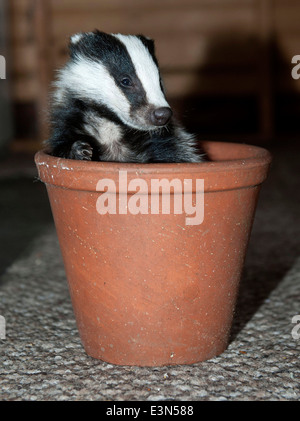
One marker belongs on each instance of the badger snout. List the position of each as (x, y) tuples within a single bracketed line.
[(161, 116)]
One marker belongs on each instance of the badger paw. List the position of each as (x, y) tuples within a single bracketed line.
[(81, 150)]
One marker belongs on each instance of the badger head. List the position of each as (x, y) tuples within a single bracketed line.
[(120, 73)]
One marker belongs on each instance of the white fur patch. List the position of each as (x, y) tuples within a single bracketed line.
[(109, 135), (145, 68), (102, 129)]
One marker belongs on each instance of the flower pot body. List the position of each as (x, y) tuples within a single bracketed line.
[(148, 289)]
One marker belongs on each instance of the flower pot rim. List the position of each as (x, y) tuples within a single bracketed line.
[(233, 165)]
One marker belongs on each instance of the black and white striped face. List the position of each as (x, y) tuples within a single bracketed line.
[(119, 72)]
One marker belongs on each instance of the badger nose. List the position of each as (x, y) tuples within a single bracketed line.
[(161, 116)]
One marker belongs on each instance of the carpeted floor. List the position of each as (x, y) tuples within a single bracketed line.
[(42, 357)]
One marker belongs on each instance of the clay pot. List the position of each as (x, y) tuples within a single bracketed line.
[(149, 289)]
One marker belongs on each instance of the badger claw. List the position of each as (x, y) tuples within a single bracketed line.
[(81, 150)]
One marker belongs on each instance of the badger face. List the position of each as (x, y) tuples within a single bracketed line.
[(119, 72)]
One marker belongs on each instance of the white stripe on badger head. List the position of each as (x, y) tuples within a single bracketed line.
[(145, 68), (90, 79)]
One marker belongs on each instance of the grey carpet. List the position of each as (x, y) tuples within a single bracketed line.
[(42, 357)]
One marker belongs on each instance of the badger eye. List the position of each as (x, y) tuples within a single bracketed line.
[(126, 81)]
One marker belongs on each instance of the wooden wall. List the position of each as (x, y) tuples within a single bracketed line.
[(208, 49)]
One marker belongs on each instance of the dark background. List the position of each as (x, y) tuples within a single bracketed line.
[(226, 63)]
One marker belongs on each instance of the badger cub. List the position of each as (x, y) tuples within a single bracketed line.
[(109, 104)]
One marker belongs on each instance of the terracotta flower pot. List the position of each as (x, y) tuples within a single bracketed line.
[(155, 288)]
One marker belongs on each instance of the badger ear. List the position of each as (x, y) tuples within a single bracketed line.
[(150, 45), (74, 39), (148, 42), (74, 43)]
